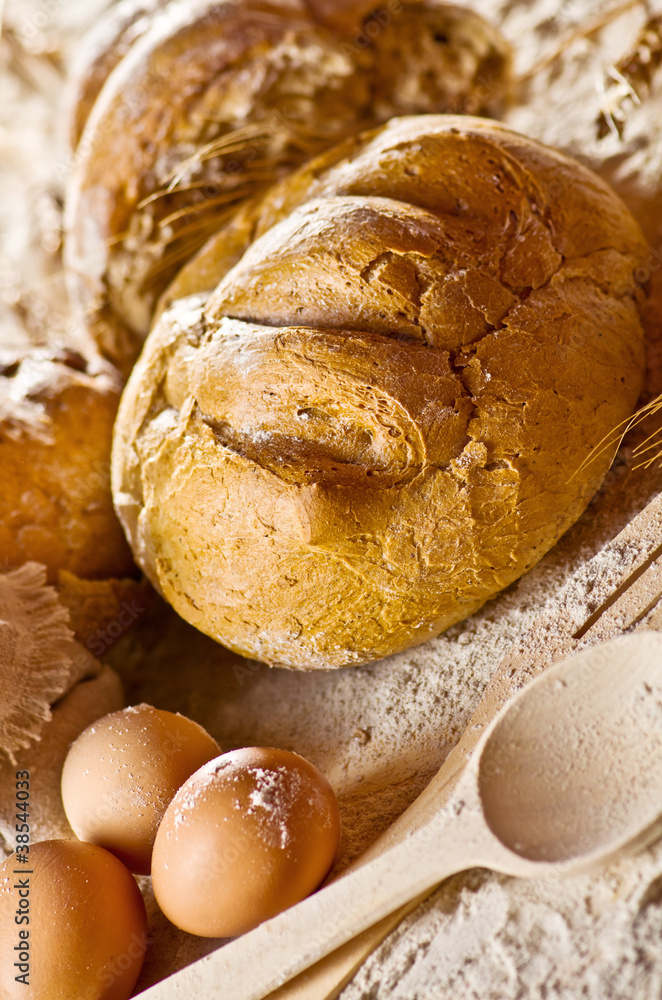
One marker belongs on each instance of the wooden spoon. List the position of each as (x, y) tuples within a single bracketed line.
[(566, 777)]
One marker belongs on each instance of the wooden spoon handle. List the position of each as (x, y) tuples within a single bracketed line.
[(260, 961)]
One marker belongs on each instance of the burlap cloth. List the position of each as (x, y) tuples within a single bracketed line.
[(51, 688)]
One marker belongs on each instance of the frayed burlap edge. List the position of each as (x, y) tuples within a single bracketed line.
[(36, 665)]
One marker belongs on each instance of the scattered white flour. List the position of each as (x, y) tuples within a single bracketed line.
[(183, 806), (272, 801), (378, 732)]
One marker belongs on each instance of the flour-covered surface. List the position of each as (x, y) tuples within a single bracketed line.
[(487, 937), (380, 732)]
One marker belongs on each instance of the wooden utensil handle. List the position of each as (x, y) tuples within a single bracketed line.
[(262, 960)]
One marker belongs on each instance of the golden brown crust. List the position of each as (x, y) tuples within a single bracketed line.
[(372, 424), (218, 99), (56, 416)]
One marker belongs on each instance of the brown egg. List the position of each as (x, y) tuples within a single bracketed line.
[(121, 773), (72, 924), (248, 835)]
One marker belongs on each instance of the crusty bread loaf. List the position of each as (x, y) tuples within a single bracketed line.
[(56, 418), (207, 102), (375, 421)]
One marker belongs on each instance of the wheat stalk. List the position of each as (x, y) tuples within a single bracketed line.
[(614, 439)]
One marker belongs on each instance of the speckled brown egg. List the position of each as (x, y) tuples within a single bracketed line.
[(248, 835), (74, 921), (121, 773)]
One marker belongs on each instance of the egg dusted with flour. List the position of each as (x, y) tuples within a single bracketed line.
[(121, 773), (377, 411), (250, 834)]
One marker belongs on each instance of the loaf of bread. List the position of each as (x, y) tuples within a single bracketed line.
[(376, 419), (186, 110), (56, 418)]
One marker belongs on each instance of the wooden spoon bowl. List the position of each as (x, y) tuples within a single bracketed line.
[(572, 768)]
